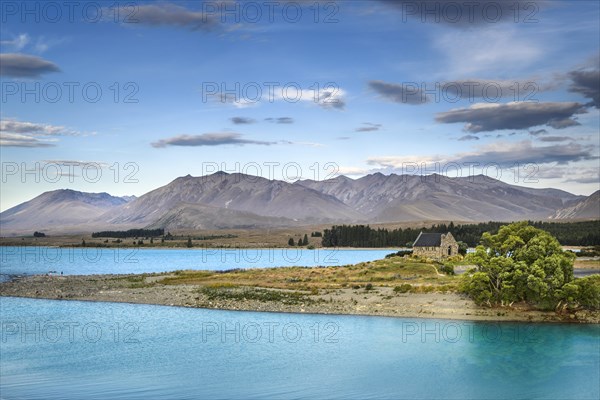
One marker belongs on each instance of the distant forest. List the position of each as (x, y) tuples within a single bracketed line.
[(129, 233), (586, 233)]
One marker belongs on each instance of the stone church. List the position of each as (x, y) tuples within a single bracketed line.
[(435, 245)]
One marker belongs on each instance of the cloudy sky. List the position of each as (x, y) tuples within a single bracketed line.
[(124, 97)]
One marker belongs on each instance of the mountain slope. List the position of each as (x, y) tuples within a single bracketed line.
[(58, 209), (405, 197), (587, 208), (201, 217), (230, 201), (238, 192)]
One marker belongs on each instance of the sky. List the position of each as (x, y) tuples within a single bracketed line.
[(124, 97)]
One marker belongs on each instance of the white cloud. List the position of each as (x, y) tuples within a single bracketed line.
[(17, 43), (489, 50), (504, 154), (15, 133)]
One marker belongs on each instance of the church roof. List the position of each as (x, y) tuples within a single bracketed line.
[(428, 240)]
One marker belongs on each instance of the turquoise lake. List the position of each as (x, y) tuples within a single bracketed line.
[(16, 260), (81, 350)]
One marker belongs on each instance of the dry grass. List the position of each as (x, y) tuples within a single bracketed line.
[(587, 264), (389, 272)]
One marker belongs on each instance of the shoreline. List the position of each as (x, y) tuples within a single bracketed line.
[(474, 319), (195, 247), (380, 301)]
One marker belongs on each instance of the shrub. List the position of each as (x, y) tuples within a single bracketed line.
[(447, 269), (400, 253), (456, 258), (589, 252), (369, 286), (477, 287), (582, 292), (404, 288)]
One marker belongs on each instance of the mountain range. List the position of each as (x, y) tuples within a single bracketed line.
[(230, 201)]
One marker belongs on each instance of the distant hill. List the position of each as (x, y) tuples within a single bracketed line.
[(235, 192), (228, 201), (386, 198), (587, 208), (58, 210)]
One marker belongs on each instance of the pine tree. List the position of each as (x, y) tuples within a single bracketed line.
[(189, 242), (305, 239), (291, 242)]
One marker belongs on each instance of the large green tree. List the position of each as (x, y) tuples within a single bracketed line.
[(520, 263)]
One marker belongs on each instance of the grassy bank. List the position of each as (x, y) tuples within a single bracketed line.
[(422, 276), (396, 286)]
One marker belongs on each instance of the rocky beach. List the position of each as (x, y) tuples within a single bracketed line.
[(378, 300)]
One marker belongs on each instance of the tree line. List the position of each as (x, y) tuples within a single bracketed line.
[(130, 233), (585, 233)]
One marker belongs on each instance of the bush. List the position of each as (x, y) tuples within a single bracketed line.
[(400, 253), (589, 252), (447, 269), (404, 288), (369, 286), (456, 258), (477, 287), (582, 292)]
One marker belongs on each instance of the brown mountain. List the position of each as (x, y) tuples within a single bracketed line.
[(387, 198), (222, 201), (587, 208), (58, 210), (188, 200)]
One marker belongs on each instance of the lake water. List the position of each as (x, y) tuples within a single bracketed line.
[(75, 350), (16, 260)]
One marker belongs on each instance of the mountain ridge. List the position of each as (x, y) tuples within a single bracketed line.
[(228, 201)]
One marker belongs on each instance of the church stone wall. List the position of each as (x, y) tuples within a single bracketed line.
[(437, 253)]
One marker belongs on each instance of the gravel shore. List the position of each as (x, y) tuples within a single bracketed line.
[(381, 301)]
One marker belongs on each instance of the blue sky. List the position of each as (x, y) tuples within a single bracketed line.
[(378, 91)]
